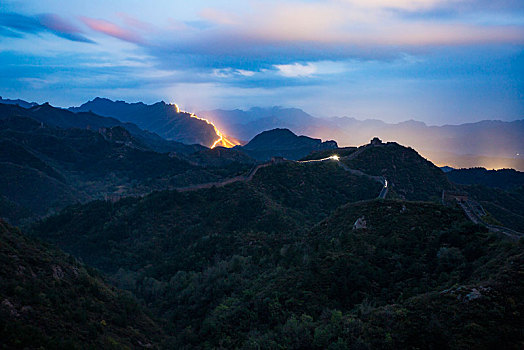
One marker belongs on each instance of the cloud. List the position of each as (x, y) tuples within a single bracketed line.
[(6, 32), (62, 28), (136, 23), (218, 17), (425, 5), (13, 24), (113, 30), (275, 33), (296, 70)]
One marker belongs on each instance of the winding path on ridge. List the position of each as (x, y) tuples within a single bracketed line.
[(471, 209), (249, 176), (466, 207)]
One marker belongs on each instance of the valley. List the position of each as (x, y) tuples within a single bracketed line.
[(286, 241)]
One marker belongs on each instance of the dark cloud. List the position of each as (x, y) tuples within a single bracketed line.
[(234, 50), (14, 24), (62, 28)]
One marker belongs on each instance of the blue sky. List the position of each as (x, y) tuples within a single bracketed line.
[(438, 61)]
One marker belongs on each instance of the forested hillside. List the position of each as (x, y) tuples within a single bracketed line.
[(234, 279), (272, 262), (49, 300), (45, 168)]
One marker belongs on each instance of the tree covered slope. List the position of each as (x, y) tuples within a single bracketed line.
[(49, 300), (245, 266)]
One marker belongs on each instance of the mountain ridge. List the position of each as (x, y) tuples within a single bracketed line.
[(63, 118), (161, 118)]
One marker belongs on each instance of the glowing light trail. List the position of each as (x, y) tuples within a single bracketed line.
[(334, 157), (222, 140)]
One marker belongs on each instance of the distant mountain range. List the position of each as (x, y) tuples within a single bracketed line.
[(490, 144)]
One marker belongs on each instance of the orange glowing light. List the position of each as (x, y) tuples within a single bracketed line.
[(222, 140)]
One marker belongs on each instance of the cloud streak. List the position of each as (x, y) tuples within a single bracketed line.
[(14, 25), (113, 30)]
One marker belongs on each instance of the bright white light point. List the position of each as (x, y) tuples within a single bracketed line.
[(335, 157)]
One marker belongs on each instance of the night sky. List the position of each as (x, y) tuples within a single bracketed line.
[(437, 61)]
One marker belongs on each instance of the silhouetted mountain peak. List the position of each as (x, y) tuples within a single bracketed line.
[(164, 119), (44, 107), (100, 99), (277, 132), (283, 142), (278, 139)]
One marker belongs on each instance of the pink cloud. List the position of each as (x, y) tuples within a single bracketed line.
[(133, 22), (111, 29)]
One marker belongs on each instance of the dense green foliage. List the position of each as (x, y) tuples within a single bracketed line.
[(49, 300), (278, 203), (411, 176), (242, 266)]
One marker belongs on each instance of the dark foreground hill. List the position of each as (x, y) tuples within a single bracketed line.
[(50, 301), (233, 273), (273, 263), (410, 176)]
